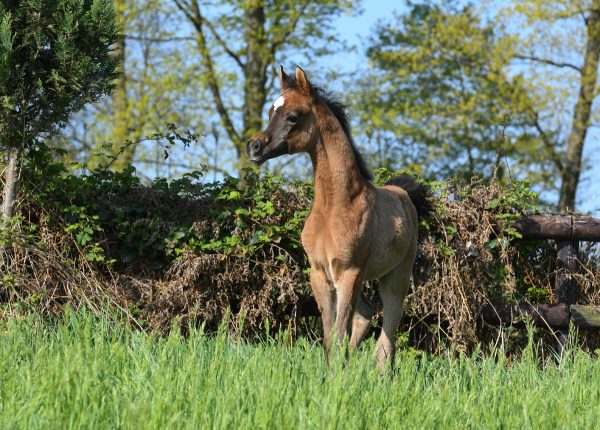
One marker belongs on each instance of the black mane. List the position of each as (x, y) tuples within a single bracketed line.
[(339, 110)]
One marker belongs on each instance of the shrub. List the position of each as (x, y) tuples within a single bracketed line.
[(188, 252)]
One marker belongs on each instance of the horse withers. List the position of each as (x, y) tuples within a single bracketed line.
[(355, 231)]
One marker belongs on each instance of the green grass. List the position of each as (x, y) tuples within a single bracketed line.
[(90, 373)]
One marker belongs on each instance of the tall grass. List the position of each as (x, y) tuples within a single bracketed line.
[(85, 372)]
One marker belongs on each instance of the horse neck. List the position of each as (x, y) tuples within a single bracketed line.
[(338, 180)]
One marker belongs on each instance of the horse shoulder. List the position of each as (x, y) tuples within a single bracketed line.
[(311, 229)]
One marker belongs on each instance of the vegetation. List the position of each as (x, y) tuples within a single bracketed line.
[(446, 89), (219, 58), (208, 273), (88, 372), (105, 237), (569, 56), (54, 58), (458, 103), (183, 301), (458, 89)]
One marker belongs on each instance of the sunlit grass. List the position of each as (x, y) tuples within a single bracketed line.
[(91, 373)]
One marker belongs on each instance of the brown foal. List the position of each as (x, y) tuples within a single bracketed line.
[(355, 231)]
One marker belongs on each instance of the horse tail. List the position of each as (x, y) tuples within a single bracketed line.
[(419, 193)]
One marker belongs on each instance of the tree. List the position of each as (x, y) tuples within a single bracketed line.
[(438, 85), (583, 108), (55, 56), (560, 52), (239, 43)]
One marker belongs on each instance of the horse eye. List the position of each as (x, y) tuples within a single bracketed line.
[(293, 118)]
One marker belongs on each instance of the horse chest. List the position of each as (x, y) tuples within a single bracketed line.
[(335, 242)]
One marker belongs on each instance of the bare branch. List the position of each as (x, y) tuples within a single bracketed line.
[(222, 43), (192, 11), (546, 140), (158, 39), (548, 62)]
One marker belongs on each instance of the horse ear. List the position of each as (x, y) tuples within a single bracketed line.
[(284, 79), (302, 81)]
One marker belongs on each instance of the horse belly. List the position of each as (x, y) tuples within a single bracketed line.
[(390, 246)]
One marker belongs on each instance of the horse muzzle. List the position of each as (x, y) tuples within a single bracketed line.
[(254, 149), (261, 148)]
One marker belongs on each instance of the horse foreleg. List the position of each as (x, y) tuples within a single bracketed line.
[(325, 296), (348, 289), (393, 288)]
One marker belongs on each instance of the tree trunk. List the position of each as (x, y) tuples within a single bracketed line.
[(581, 116), (120, 102), (255, 75), (11, 184)]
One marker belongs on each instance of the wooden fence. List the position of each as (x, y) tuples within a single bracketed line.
[(567, 231)]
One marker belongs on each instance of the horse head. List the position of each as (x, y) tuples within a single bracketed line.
[(291, 126)]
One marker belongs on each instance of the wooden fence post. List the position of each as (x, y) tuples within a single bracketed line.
[(565, 285), (566, 265)]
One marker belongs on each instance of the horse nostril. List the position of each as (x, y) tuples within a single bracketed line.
[(255, 146)]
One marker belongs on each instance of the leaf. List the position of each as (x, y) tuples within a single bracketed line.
[(83, 237), (242, 211), (493, 204), (492, 244)]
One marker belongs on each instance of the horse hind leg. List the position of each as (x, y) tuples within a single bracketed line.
[(393, 288), (361, 322)]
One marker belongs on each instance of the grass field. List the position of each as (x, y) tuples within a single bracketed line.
[(90, 373)]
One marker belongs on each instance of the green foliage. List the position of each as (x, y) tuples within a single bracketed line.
[(55, 56), (204, 66), (514, 200), (439, 98), (114, 219), (245, 219), (83, 227)]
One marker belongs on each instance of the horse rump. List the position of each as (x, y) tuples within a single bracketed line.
[(419, 193)]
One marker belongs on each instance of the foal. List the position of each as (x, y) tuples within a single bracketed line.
[(355, 231)]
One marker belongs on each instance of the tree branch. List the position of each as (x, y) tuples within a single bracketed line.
[(158, 39), (548, 62), (548, 144), (276, 42), (223, 44), (546, 140), (192, 12)]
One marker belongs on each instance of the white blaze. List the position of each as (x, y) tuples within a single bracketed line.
[(278, 103)]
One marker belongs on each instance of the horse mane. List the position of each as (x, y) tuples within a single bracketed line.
[(339, 111)]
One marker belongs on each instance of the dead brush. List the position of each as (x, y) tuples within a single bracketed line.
[(465, 262)]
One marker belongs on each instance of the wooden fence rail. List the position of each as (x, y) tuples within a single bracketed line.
[(559, 227), (567, 231)]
